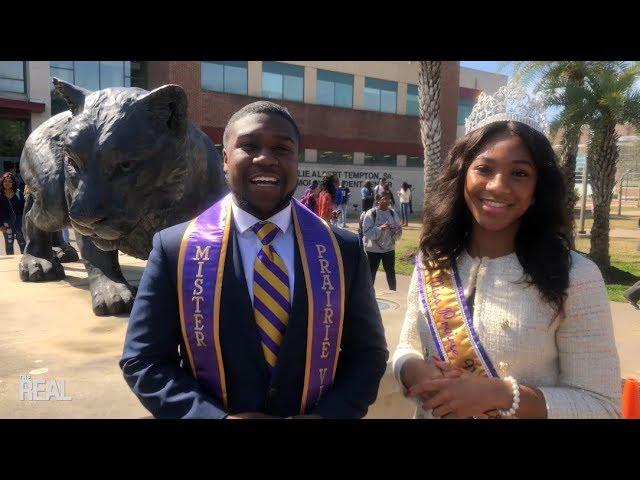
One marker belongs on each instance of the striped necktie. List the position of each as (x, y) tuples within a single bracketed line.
[(271, 299)]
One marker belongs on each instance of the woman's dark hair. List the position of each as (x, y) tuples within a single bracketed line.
[(367, 185), (541, 244), (383, 194), (328, 184), (405, 186), (14, 185)]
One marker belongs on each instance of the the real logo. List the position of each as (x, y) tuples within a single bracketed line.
[(42, 389)]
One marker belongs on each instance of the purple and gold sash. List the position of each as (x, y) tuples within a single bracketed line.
[(447, 314), (324, 278), (200, 272)]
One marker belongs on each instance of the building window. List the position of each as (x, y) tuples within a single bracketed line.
[(229, 77), (380, 159), (284, 81), (380, 95), (113, 74), (135, 74), (62, 70), (12, 77), (415, 161), (91, 75), (412, 100), (335, 158), (335, 89), (465, 105), (13, 134)]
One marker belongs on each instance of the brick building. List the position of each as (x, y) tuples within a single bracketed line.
[(356, 118)]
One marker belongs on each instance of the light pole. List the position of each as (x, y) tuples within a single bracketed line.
[(620, 192)]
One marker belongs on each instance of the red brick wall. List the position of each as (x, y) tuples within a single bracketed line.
[(157, 74), (322, 127)]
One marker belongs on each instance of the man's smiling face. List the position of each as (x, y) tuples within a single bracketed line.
[(261, 162)]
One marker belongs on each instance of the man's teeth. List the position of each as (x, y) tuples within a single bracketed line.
[(494, 204), (264, 180)]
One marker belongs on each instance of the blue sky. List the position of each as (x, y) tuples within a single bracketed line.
[(492, 67), (500, 67)]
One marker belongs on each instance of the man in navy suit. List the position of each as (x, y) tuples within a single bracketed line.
[(260, 379)]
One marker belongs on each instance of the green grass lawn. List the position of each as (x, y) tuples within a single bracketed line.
[(624, 253), (624, 256), (624, 221), (407, 245)]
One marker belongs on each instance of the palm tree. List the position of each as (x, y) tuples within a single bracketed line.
[(615, 101), (430, 127), (606, 98), (551, 77)]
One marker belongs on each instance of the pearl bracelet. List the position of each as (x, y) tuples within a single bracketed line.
[(516, 399)]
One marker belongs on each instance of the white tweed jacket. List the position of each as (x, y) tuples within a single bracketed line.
[(572, 360)]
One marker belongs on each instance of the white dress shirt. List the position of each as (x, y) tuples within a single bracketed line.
[(250, 245)]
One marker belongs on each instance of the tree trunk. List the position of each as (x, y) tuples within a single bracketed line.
[(430, 127), (602, 158), (568, 154)]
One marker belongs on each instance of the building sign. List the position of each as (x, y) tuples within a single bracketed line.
[(355, 177)]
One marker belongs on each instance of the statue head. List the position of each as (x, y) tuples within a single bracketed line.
[(123, 156)]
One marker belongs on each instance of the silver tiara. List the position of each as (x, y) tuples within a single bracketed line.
[(510, 102)]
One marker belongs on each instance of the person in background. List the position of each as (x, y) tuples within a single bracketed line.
[(310, 197), (377, 190), (404, 194), (381, 230), (342, 203), (368, 196), (11, 209), (326, 205)]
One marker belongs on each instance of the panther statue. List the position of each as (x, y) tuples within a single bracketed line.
[(121, 165)]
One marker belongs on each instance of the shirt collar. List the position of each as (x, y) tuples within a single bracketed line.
[(244, 220)]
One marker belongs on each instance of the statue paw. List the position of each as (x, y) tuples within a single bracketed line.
[(110, 297), (66, 253), (36, 269)]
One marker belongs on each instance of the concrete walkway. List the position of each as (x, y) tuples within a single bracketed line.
[(48, 330)]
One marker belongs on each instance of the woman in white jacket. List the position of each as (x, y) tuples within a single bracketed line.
[(404, 195), (503, 319)]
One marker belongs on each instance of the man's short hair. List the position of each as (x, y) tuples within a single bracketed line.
[(261, 106)]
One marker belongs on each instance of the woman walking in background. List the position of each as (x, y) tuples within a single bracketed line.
[(404, 194), (326, 205), (11, 208)]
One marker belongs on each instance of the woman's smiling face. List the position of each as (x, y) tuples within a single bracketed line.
[(500, 183)]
